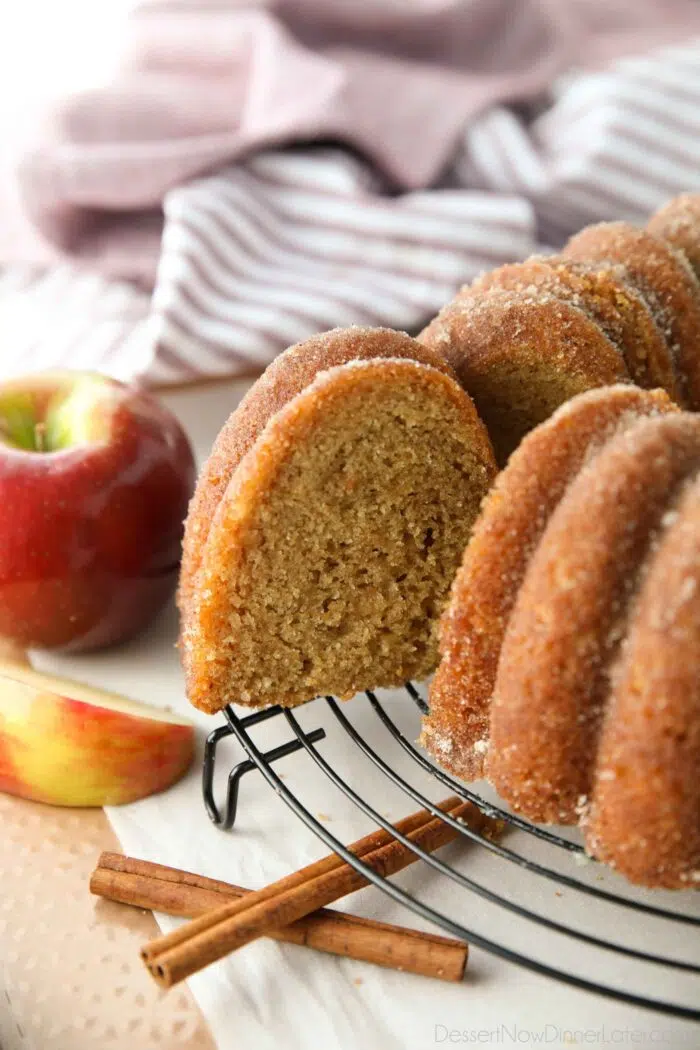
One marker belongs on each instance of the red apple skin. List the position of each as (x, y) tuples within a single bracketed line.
[(90, 536)]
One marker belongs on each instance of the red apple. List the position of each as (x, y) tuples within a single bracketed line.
[(95, 478), (70, 744)]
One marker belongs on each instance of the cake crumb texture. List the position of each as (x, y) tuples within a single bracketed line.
[(287, 376), (331, 553)]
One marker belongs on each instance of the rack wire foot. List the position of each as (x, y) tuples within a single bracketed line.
[(226, 818)]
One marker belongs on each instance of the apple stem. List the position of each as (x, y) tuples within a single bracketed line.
[(40, 437)]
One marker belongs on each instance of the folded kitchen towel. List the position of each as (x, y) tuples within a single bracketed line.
[(277, 168)]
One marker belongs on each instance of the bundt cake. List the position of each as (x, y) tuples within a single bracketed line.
[(528, 336), (334, 510), (567, 646), (319, 560), (678, 222), (511, 523), (666, 280), (607, 296), (520, 355), (646, 795)]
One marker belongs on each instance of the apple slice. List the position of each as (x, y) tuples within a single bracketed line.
[(70, 744)]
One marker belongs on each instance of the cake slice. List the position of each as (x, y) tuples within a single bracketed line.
[(285, 377), (332, 545)]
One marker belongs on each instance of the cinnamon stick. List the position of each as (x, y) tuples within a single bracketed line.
[(160, 888), (369, 843), (190, 948)]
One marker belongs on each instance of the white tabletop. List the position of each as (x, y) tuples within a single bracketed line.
[(274, 996)]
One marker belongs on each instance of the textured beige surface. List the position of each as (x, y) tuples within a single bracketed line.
[(70, 974)]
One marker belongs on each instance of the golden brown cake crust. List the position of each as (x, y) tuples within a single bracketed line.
[(287, 376), (520, 356), (678, 222), (571, 614), (666, 280), (606, 295), (645, 813), (343, 407), (514, 515)]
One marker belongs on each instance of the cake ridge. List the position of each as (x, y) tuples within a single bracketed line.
[(572, 612), (520, 356), (678, 223), (653, 713), (513, 517), (665, 278), (606, 293)]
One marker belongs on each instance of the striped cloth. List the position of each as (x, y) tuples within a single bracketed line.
[(268, 251)]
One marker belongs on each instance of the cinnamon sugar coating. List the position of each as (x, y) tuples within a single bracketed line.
[(678, 222), (606, 294), (520, 356), (286, 377), (665, 279), (513, 518), (332, 549), (570, 643), (572, 612), (644, 816)]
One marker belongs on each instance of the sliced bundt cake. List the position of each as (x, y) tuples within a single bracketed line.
[(520, 356), (587, 642), (331, 548)]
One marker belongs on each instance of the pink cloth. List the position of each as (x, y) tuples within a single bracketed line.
[(203, 85), (181, 236)]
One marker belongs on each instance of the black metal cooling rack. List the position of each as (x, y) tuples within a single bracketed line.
[(675, 922)]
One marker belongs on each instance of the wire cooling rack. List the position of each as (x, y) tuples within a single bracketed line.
[(521, 887)]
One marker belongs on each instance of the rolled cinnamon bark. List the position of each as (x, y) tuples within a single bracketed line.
[(160, 888), (185, 951)]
